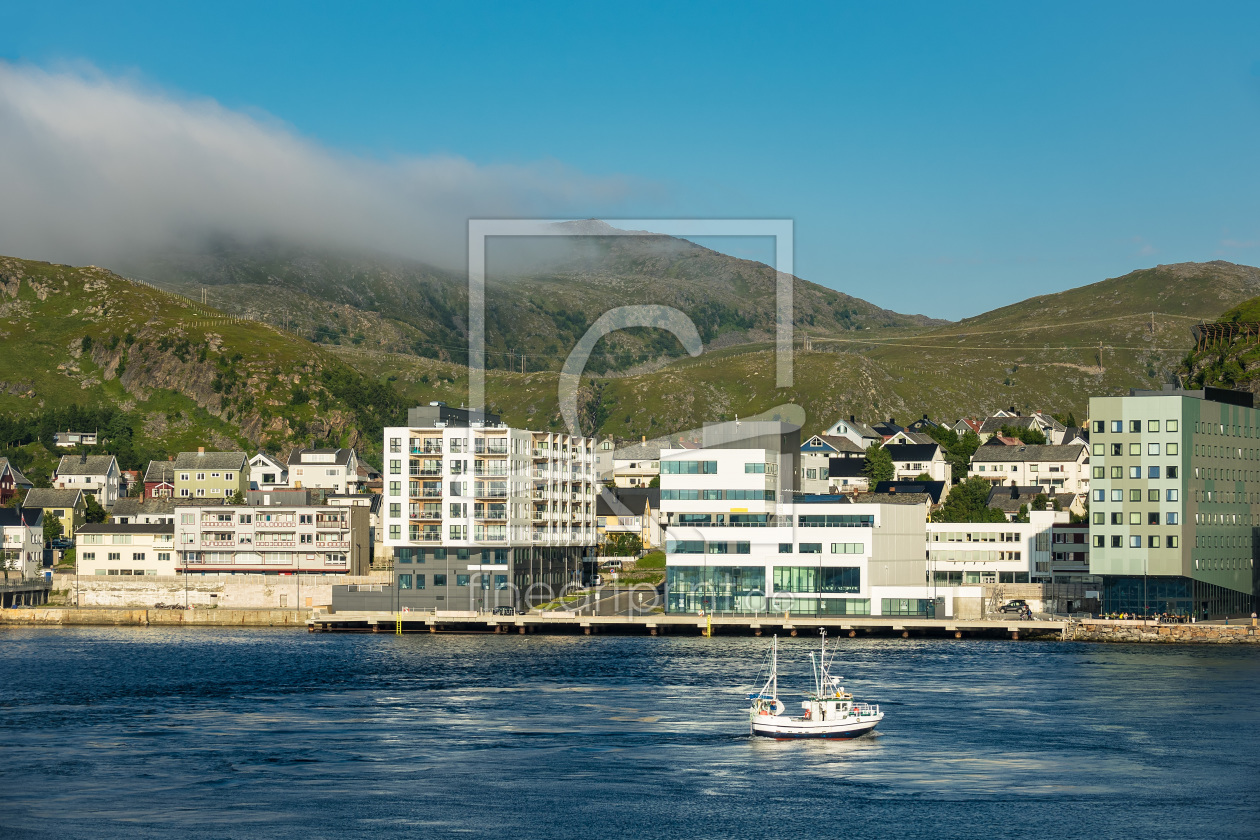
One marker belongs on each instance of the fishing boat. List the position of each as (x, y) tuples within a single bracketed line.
[(828, 712)]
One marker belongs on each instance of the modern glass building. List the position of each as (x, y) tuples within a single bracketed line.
[(1174, 498)]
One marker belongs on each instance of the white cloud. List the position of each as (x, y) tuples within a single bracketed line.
[(92, 168)]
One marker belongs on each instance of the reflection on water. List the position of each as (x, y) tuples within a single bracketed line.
[(210, 733)]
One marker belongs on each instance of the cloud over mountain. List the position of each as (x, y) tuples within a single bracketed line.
[(94, 167)]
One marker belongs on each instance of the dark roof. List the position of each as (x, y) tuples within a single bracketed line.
[(341, 457), (43, 497), (887, 428), (284, 496), (211, 461), (923, 423), (159, 471), (1076, 433), (846, 467), (635, 497), (85, 464), (132, 506), (18, 478), (912, 451), (936, 490), (1030, 452), (1010, 499), (13, 516), (992, 425), (126, 528), (893, 498)]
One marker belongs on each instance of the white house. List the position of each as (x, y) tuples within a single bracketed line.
[(335, 470), (910, 460), (267, 473), (1058, 468), (817, 455), (96, 475), (855, 431), (23, 536), (128, 549)]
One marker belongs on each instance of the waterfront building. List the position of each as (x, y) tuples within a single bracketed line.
[(989, 553), (739, 538), (1175, 500), (126, 548), (22, 530), (279, 538), (479, 514)]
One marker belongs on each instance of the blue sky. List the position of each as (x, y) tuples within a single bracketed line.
[(937, 158)]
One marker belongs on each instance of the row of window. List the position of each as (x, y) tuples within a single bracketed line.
[(957, 556), (1136, 472), (1135, 541), (845, 579), (689, 467), (1224, 564), (717, 495), (1117, 426), (976, 536), (408, 580), (1135, 518), (1032, 468), (701, 547), (137, 556), (1135, 449), (960, 578), (420, 555), (1224, 519), (1135, 495)]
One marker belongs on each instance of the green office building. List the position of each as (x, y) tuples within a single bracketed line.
[(1174, 498)]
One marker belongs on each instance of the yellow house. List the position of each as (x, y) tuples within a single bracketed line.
[(67, 505), (210, 475)]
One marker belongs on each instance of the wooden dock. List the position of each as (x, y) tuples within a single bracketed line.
[(679, 625)]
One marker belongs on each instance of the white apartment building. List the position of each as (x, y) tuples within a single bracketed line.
[(271, 539), (734, 546), (126, 548), (1063, 469), (96, 475), (477, 512), (22, 530)]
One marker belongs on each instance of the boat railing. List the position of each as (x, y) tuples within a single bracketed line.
[(866, 709)]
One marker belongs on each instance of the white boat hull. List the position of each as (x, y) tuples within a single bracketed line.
[(785, 728)]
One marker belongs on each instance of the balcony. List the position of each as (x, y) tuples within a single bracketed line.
[(339, 544), (429, 535), (426, 514), (218, 542)]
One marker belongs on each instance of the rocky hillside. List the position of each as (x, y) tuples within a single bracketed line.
[(85, 336), (1230, 357)]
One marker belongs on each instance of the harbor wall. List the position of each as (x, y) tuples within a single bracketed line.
[(237, 592), (1242, 632), (61, 616)]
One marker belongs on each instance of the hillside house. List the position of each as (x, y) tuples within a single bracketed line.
[(1060, 468), (22, 532), (816, 455), (12, 481), (267, 473), (910, 460), (334, 470), (857, 432), (210, 475), (97, 476), (67, 505), (159, 480)]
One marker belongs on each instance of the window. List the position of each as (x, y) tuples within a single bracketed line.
[(1135, 541), (1135, 449), (306, 539), (1152, 541), (1099, 449), (1172, 519), (1116, 541), (1152, 495), (395, 510), (395, 532), (439, 580), (395, 466), (1152, 472), (1152, 449), (1099, 472), (137, 556), (689, 467), (1152, 425), (1098, 428), (461, 580), (1170, 426), (1172, 494), (1117, 518), (754, 468), (1098, 541), (1117, 495), (1100, 518), (1173, 541), (1170, 449), (114, 555), (1170, 472), (785, 548), (1135, 472), (1135, 518), (1152, 518), (810, 548), (847, 548), (404, 581), (1135, 425), (1034, 467), (395, 488), (1117, 426), (419, 581), (1135, 495), (1117, 449)]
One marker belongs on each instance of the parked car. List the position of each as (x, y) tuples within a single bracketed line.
[(504, 611), (1019, 605), (597, 580)]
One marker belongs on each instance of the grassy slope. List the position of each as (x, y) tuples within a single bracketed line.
[(1040, 353), (156, 354)]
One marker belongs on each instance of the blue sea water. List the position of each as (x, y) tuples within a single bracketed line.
[(145, 732)]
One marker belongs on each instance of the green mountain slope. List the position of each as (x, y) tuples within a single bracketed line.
[(1040, 354), (537, 312), (193, 376)]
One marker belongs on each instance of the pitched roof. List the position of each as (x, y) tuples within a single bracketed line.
[(846, 467), (10, 517), (836, 443), (857, 426), (914, 437), (132, 506), (127, 528), (934, 489), (887, 428), (267, 459), (43, 497), (340, 457), (967, 423), (635, 497), (18, 478), (993, 425), (159, 471), (1010, 499), (85, 464), (211, 461), (913, 451), (1029, 452)]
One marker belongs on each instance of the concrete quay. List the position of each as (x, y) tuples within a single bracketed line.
[(680, 625), (72, 616)]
